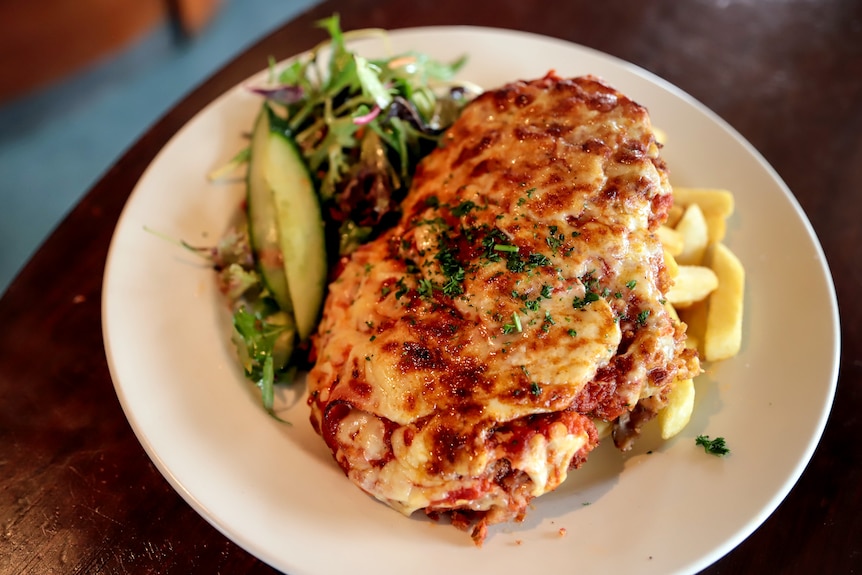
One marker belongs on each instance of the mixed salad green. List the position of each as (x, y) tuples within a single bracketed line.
[(331, 156)]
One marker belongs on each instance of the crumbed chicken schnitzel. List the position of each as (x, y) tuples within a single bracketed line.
[(464, 355)]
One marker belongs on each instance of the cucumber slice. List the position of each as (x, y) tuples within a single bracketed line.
[(262, 219), (300, 230)]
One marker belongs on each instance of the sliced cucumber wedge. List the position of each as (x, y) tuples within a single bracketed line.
[(300, 230), (262, 219)]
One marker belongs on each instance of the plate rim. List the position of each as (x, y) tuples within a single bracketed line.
[(720, 550)]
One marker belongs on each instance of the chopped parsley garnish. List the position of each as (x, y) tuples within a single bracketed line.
[(514, 263), (468, 233), (402, 288), (506, 248), (553, 242), (493, 238), (536, 259), (452, 269), (496, 245), (411, 266), (514, 326), (453, 285), (425, 288), (517, 319), (631, 284), (535, 389), (573, 333), (437, 223), (589, 280), (642, 317), (588, 298), (716, 446), (464, 208)]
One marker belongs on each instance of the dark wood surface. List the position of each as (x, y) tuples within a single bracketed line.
[(79, 495)]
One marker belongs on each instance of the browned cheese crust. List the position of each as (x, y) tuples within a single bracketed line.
[(464, 355)]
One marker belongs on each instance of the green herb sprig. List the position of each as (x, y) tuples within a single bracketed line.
[(717, 446)]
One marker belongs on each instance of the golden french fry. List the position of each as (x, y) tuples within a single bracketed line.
[(712, 201), (670, 239), (694, 342), (695, 236), (707, 294), (673, 215), (723, 337), (603, 427), (694, 317), (716, 204), (677, 413), (716, 226), (692, 283), (670, 264), (671, 311)]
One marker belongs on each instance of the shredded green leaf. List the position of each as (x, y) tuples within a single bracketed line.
[(264, 346), (240, 159), (363, 124)]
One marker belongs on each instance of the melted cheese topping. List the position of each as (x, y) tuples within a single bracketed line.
[(462, 355)]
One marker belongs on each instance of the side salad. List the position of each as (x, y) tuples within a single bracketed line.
[(331, 156)]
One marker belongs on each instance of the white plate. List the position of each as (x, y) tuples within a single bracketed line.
[(274, 489)]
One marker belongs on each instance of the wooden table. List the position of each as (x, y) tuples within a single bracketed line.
[(79, 495)]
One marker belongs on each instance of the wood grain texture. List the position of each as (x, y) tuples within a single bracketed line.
[(79, 495)]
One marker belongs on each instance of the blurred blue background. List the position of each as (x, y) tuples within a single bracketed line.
[(56, 142)]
